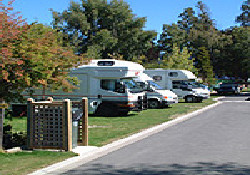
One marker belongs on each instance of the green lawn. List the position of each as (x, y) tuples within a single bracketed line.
[(19, 124), (25, 162), (247, 89), (102, 130)]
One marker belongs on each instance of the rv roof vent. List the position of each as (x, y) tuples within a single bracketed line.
[(105, 63)]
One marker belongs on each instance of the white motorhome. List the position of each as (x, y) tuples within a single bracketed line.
[(108, 85), (156, 96), (180, 82)]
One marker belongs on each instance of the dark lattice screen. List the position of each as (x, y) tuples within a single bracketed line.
[(48, 125)]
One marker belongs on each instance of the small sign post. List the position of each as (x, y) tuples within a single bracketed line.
[(85, 121)]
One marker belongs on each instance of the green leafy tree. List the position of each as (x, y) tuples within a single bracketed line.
[(101, 28), (205, 66), (234, 58), (178, 59), (49, 61)]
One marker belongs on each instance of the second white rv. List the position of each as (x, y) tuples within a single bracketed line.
[(180, 82), (156, 96)]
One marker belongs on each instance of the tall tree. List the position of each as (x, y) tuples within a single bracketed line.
[(234, 59), (195, 31), (205, 67), (178, 59), (101, 28), (244, 18)]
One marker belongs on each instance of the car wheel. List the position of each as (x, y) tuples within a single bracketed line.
[(153, 104)]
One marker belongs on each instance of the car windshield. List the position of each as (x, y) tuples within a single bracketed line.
[(131, 85), (155, 85)]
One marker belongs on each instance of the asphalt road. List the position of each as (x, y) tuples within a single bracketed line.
[(214, 142), (241, 97)]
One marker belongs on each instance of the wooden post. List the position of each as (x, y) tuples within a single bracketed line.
[(68, 125), (44, 92), (85, 121), (30, 123), (2, 116)]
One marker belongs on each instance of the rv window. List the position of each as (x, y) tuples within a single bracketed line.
[(108, 85), (157, 78), (105, 63), (173, 74), (112, 85)]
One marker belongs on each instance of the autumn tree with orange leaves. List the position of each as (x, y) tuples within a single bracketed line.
[(31, 56)]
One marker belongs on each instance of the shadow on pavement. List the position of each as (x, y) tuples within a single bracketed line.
[(173, 169)]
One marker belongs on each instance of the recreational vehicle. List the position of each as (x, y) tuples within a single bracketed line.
[(156, 96), (108, 85), (181, 82)]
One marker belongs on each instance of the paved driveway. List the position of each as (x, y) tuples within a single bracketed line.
[(214, 142)]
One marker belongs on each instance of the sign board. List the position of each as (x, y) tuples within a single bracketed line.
[(3, 105)]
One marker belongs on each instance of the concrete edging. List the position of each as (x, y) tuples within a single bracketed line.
[(104, 150)]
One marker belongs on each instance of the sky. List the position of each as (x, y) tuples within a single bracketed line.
[(158, 12)]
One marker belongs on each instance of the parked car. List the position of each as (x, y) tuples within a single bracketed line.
[(227, 88)]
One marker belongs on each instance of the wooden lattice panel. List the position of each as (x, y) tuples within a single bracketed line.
[(48, 125)]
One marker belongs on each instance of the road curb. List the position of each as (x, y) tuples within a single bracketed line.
[(218, 98), (104, 150)]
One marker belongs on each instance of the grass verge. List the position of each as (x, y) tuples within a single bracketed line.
[(19, 124), (102, 130), (20, 163)]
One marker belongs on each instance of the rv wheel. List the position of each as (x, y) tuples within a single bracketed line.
[(198, 100), (153, 104), (123, 113), (107, 110), (189, 99)]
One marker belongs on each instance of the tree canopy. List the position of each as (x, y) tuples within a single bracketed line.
[(31, 56), (103, 29)]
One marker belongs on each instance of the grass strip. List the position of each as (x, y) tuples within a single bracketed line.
[(20, 163), (107, 129)]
